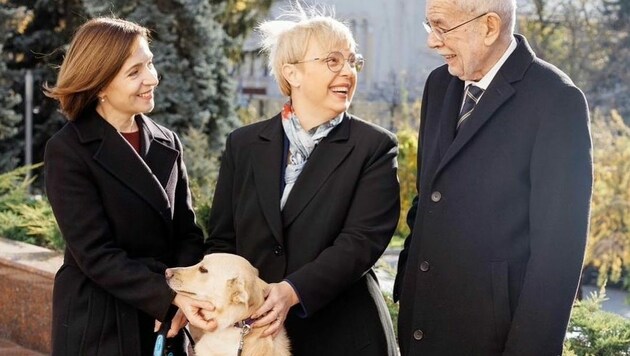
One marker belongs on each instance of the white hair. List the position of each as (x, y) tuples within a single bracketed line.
[(506, 9)]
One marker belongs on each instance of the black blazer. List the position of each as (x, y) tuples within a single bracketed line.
[(499, 227), (336, 223), (124, 220)]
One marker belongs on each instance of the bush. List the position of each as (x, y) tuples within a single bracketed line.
[(24, 217), (595, 332)]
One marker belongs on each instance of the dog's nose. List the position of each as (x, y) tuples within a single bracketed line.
[(168, 273)]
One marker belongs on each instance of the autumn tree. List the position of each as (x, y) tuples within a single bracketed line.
[(609, 239)]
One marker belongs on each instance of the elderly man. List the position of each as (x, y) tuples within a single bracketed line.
[(504, 184)]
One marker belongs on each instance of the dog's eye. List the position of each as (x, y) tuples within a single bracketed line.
[(203, 269)]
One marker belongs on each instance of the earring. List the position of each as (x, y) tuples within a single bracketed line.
[(102, 100)]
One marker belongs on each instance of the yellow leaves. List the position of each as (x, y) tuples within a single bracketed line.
[(609, 240)]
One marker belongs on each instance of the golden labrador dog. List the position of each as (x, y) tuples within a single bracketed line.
[(232, 285)]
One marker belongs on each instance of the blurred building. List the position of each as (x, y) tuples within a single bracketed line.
[(390, 37)]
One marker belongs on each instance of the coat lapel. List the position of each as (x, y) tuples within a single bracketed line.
[(117, 157), (497, 94), (448, 117), (159, 154), (266, 159), (326, 157)]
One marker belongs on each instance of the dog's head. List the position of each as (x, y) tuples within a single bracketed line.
[(227, 281)]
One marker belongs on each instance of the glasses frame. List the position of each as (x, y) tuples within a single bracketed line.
[(439, 33), (359, 61)]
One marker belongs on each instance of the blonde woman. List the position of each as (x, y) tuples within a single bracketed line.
[(119, 191), (310, 197)]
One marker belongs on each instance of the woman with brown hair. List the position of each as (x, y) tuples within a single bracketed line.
[(119, 191)]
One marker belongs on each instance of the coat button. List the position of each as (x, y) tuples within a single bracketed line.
[(278, 250), (418, 335), (436, 196), (424, 266)]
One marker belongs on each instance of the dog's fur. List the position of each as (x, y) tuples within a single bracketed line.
[(232, 285)]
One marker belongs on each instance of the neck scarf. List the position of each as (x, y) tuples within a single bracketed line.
[(301, 145)]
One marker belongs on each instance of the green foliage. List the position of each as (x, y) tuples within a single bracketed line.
[(35, 34), (24, 217), (203, 170), (593, 332), (9, 98)]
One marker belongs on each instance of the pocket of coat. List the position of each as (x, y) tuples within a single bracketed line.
[(501, 300)]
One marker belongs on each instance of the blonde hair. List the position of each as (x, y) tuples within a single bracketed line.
[(97, 52), (285, 40)]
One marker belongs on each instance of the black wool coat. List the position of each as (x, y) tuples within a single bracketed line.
[(500, 224), (337, 221), (124, 217)]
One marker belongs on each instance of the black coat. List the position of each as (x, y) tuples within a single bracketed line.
[(336, 223), (499, 228), (124, 220)]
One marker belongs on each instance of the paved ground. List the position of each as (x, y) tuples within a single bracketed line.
[(8, 348)]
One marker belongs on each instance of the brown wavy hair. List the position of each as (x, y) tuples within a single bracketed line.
[(97, 52)]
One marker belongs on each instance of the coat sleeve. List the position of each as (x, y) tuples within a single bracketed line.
[(189, 237), (561, 184), (78, 208), (221, 233), (368, 228)]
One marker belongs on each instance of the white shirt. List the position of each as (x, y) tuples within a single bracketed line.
[(485, 81)]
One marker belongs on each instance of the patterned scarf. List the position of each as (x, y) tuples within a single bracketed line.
[(301, 144)]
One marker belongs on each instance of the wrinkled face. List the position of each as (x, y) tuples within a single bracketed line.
[(463, 48), (227, 281), (322, 91), (131, 90)]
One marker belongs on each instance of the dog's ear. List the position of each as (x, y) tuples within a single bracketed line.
[(259, 289), (236, 291)]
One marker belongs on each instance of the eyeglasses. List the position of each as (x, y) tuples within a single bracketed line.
[(439, 33), (335, 61)]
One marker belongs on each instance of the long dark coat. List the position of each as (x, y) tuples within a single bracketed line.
[(493, 261), (336, 223), (124, 220)]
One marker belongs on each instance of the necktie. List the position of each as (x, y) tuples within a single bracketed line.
[(473, 94)]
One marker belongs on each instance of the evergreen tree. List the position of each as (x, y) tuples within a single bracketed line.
[(36, 32), (9, 99)]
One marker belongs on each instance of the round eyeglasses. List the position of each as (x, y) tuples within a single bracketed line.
[(439, 33), (335, 61)]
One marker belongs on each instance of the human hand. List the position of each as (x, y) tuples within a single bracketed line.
[(279, 299), (193, 310)]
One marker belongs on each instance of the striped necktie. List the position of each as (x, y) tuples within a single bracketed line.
[(473, 94)]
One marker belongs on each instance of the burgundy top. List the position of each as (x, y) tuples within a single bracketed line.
[(133, 138)]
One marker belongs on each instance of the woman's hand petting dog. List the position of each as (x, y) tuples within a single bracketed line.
[(279, 298), (193, 310)]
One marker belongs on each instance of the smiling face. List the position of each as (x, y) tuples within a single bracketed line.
[(317, 92), (464, 49), (131, 90)]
